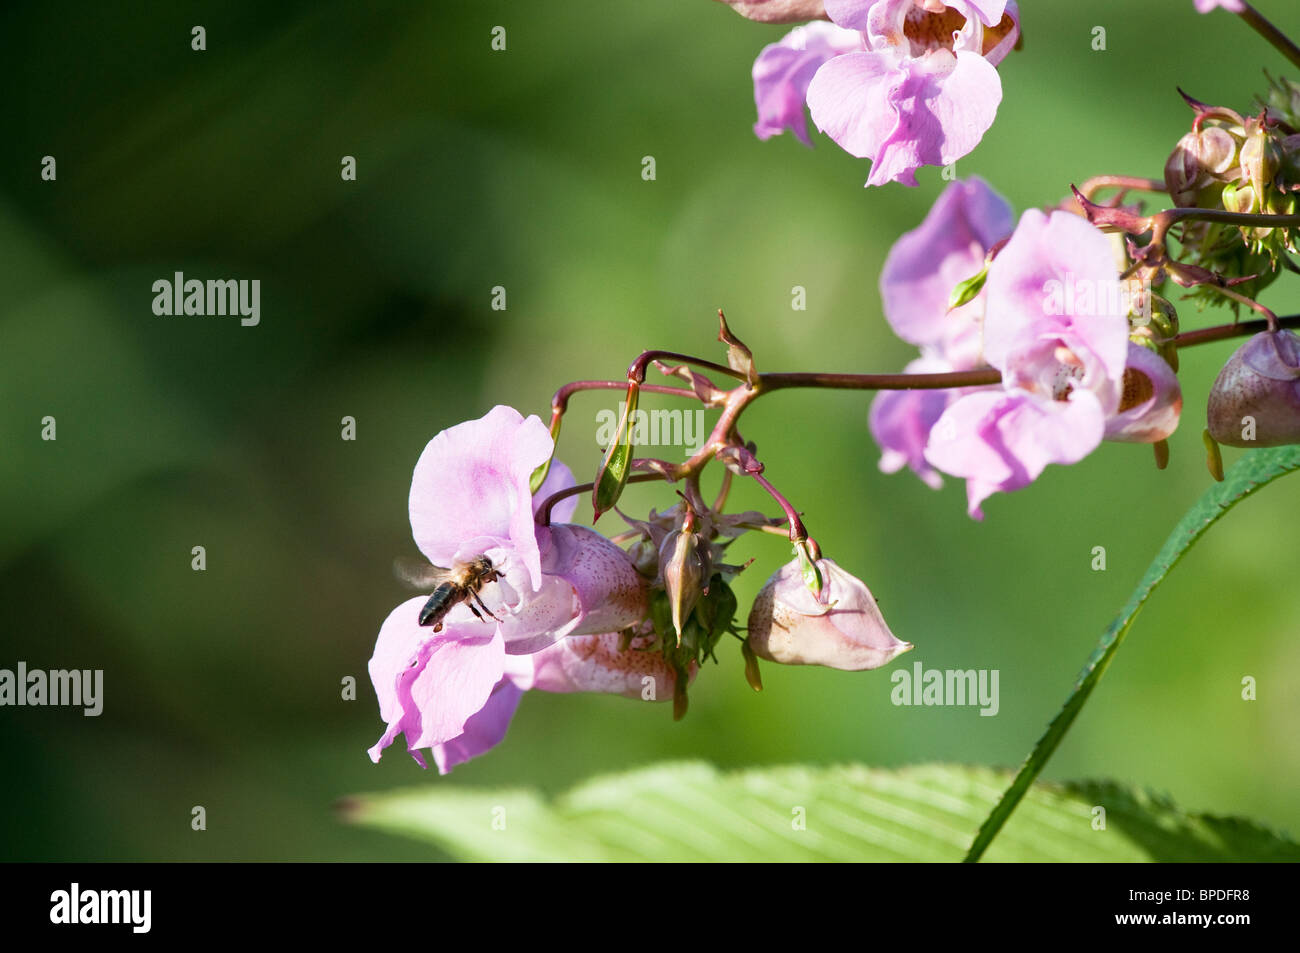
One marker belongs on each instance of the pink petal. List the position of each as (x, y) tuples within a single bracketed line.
[(948, 247), (594, 663), (589, 586), (1232, 6), (850, 13), (558, 478), (539, 617), (1001, 442), (1004, 46), (470, 489), (944, 106), (778, 11), (989, 11), (1034, 364), (1156, 417), (849, 99), (1060, 251), (783, 70), (610, 592), (484, 730), (905, 113), (430, 684), (901, 421)]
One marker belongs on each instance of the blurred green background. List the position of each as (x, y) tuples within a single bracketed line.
[(523, 169)]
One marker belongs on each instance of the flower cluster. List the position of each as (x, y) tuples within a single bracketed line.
[(527, 602), (1044, 304), (1038, 338)]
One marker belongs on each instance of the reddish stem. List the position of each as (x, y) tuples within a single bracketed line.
[(1268, 31), (977, 378), (543, 515)]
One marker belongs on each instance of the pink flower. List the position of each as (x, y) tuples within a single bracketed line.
[(1232, 6), (783, 71), (919, 275), (470, 497), (840, 628), (924, 89), (453, 691), (1057, 327)]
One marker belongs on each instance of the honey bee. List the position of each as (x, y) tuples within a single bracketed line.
[(460, 583)]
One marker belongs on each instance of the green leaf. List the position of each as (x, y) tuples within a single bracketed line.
[(539, 476), (969, 289), (693, 812), (1252, 471)]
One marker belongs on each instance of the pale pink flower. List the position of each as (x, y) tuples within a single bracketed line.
[(924, 89), (1062, 370), (840, 627)]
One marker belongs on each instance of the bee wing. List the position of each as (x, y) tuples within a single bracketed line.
[(418, 573)]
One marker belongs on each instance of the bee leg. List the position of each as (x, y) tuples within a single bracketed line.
[(437, 627), (479, 600), (475, 611)]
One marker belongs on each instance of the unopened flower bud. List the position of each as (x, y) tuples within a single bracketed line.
[(1156, 327), (1280, 203), (684, 566), (1216, 150), (1241, 199), (1260, 159), (1183, 171), (1284, 100), (1289, 171), (645, 557), (842, 628), (1255, 402)]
